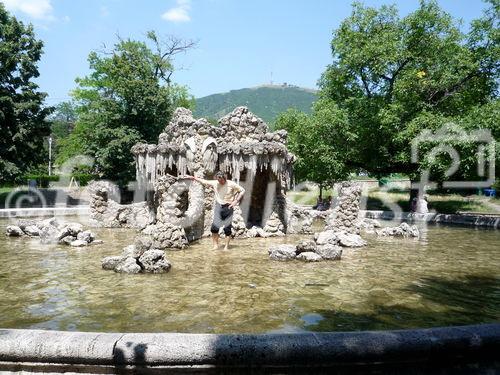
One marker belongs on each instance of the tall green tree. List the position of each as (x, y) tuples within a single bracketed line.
[(393, 76), (310, 138), (22, 113), (128, 97), (62, 122)]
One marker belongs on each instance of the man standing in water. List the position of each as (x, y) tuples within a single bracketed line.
[(228, 195)]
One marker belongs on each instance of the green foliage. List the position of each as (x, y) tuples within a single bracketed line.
[(62, 122), (310, 139), (22, 112), (266, 102), (127, 98), (392, 77)]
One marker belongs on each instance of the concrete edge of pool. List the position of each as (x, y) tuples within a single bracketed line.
[(57, 351)]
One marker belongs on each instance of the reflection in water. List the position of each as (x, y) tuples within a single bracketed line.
[(450, 276)]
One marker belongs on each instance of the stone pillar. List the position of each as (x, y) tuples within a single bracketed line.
[(345, 214)]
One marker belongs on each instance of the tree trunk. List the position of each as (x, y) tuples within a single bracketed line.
[(320, 191), (413, 193)]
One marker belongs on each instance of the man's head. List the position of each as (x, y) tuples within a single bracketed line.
[(221, 177)]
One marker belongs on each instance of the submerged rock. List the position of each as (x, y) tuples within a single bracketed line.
[(326, 237), (403, 230), (53, 231), (350, 240), (309, 256), (127, 265), (86, 236), (138, 258), (32, 230), (67, 240), (368, 225), (109, 263), (14, 231), (329, 252), (154, 261), (282, 252), (78, 243), (306, 246)]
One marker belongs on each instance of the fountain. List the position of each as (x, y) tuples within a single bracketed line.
[(177, 211)]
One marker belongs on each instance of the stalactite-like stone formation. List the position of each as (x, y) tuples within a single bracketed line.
[(241, 142), (344, 216)]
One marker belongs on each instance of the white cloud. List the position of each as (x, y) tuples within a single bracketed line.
[(180, 13), (37, 9)]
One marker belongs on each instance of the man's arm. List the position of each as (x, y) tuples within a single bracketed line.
[(200, 180), (239, 196)]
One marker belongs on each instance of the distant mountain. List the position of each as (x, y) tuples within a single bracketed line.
[(265, 101)]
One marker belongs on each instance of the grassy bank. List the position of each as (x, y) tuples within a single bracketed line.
[(383, 200)]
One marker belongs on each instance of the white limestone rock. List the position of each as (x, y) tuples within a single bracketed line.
[(154, 261), (128, 265), (86, 236), (78, 243), (282, 252), (329, 252), (326, 237), (403, 230), (109, 263), (14, 231), (306, 246), (309, 256), (32, 230), (350, 240)]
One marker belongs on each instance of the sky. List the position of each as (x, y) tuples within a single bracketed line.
[(240, 43)]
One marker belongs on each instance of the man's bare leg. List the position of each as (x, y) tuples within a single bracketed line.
[(215, 240), (228, 238)]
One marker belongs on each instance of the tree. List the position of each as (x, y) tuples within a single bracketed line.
[(62, 122), (392, 77), (310, 139), (129, 97), (22, 113)]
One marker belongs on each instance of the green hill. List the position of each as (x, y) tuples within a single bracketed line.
[(264, 101)]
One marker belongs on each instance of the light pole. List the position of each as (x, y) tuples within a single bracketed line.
[(50, 156)]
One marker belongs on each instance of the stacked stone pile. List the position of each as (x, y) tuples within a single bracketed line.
[(342, 231), (344, 216), (326, 245), (274, 227), (403, 230), (238, 224), (53, 231), (141, 257), (167, 236), (368, 225)]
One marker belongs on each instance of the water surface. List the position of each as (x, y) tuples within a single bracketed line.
[(450, 276)]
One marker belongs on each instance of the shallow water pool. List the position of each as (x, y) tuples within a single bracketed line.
[(450, 276)]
